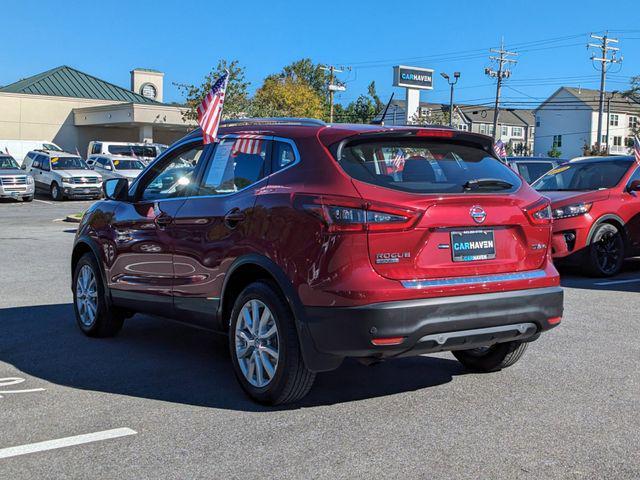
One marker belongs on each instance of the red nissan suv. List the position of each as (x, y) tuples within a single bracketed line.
[(308, 243), (596, 212)]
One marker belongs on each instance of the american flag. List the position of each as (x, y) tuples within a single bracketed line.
[(398, 160), (636, 149), (210, 110), (251, 144), (500, 149)]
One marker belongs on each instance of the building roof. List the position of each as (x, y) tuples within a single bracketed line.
[(66, 81), (591, 98), (471, 113)]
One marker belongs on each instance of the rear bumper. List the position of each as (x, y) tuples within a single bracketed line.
[(435, 324)]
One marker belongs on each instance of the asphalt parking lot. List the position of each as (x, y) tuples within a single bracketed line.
[(161, 400)]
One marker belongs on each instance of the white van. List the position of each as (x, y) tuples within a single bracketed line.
[(18, 149), (146, 152)]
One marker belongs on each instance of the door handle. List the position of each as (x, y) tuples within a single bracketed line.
[(163, 220), (233, 217)]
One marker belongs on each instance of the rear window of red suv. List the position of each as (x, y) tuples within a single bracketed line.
[(426, 166)]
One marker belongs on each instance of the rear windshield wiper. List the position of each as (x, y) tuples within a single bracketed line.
[(479, 183)]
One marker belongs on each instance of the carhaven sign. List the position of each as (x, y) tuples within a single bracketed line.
[(413, 77)]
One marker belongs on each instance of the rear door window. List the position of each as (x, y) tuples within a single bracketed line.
[(283, 155), (236, 164), (426, 166)]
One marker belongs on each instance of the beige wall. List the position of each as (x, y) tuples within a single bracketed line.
[(39, 117)]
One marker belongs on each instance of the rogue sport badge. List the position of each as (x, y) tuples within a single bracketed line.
[(478, 214)]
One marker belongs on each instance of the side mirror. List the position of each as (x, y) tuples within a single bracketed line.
[(634, 186), (116, 189)]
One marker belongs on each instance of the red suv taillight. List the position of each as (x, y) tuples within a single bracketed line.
[(539, 213), (346, 214)]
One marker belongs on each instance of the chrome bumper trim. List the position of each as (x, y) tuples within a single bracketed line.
[(481, 279)]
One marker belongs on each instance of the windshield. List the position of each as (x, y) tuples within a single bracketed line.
[(128, 164), (133, 150), (427, 166), (7, 163), (583, 176), (68, 163), (51, 147)]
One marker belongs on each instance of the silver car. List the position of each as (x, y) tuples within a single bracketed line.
[(63, 175), (14, 183), (116, 166)]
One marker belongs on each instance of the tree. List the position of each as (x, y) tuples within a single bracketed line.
[(286, 97), (634, 94), (236, 101), (554, 152), (310, 73), (377, 103), (361, 111)]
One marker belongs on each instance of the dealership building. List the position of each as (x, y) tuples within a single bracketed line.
[(71, 108)]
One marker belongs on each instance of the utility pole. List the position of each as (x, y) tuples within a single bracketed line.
[(604, 60), (502, 60), (456, 76), (333, 87)]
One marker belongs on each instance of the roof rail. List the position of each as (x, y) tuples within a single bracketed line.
[(309, 122)]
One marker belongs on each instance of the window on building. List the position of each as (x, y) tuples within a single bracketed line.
[(617, 141), (557, 141), (537, 121), (629, 142), (489, 129), (614, 120), (517, 132), (633, 122), (504, 131), (483, 128)]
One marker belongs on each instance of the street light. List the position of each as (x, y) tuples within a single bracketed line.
[(609, 116), (456, 76)]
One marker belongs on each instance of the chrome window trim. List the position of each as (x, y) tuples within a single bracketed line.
[(475, 280), (169, 150)]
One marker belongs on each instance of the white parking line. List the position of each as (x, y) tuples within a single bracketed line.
[(42, 201), (616, 282), (65, 442)]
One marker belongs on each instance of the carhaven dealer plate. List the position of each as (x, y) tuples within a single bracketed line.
[(470, 245)]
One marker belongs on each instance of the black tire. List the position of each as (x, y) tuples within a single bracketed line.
[(56, 193), (27, 199), (493, 358), (291, 380), (605, 253), (108, 319)]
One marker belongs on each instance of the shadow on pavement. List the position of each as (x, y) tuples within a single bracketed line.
[(628, 280), (163, 360)]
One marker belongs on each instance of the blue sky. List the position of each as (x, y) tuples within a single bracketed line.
[(185, 39)]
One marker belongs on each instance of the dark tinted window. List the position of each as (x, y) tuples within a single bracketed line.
[(96, 148), (426, 166), (584, 176), (235, 165), (122, 164), (44, 162), (7, 162), (531, 171), (133, 150), (68, 163)]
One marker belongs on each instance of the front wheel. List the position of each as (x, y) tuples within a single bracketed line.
[(493, 358), (605, 252), (94, 315), (264, 346), (56, 192)]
